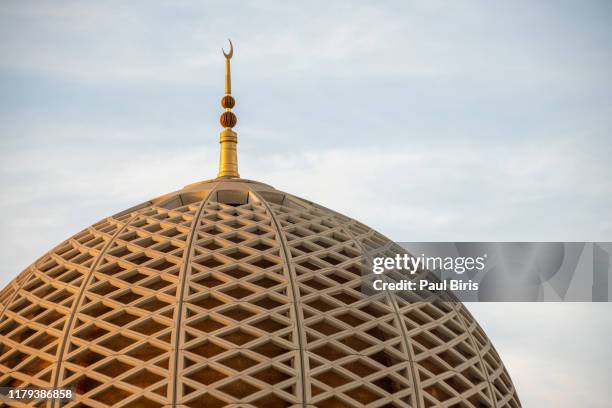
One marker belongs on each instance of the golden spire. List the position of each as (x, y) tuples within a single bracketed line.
[(228, 163)]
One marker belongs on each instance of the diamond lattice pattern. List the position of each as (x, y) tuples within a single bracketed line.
[(235, 294)]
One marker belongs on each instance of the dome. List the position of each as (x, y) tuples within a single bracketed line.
[(230, 293)]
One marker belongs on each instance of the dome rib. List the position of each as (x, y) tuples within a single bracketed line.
[(295, 295), (183, 281), (393, 302), (82, 290), (468, 330), (326, 217)]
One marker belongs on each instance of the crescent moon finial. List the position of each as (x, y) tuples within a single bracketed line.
[(228, 163), (231, 51)]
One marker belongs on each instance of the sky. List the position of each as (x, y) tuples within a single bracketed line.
[(426, 120)]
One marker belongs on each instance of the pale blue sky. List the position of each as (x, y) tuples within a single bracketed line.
[(427, 120)]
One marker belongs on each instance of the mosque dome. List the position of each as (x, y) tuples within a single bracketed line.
[(231, 293)]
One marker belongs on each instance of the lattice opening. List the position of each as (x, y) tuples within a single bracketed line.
[(111, 395), (206, 375), (232, 197), (206, 325), (146, 352), (239, 389), (363, 395), (238, 337), (239, 362), (85, 385), (207, 349), (237, 313)]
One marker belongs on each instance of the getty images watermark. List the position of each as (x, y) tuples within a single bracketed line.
[(492, 271), (409, 264)]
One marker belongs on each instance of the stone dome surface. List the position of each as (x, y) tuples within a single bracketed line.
[(231, 293)]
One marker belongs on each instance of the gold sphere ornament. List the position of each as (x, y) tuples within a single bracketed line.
[(228, 119), (228, 102)]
